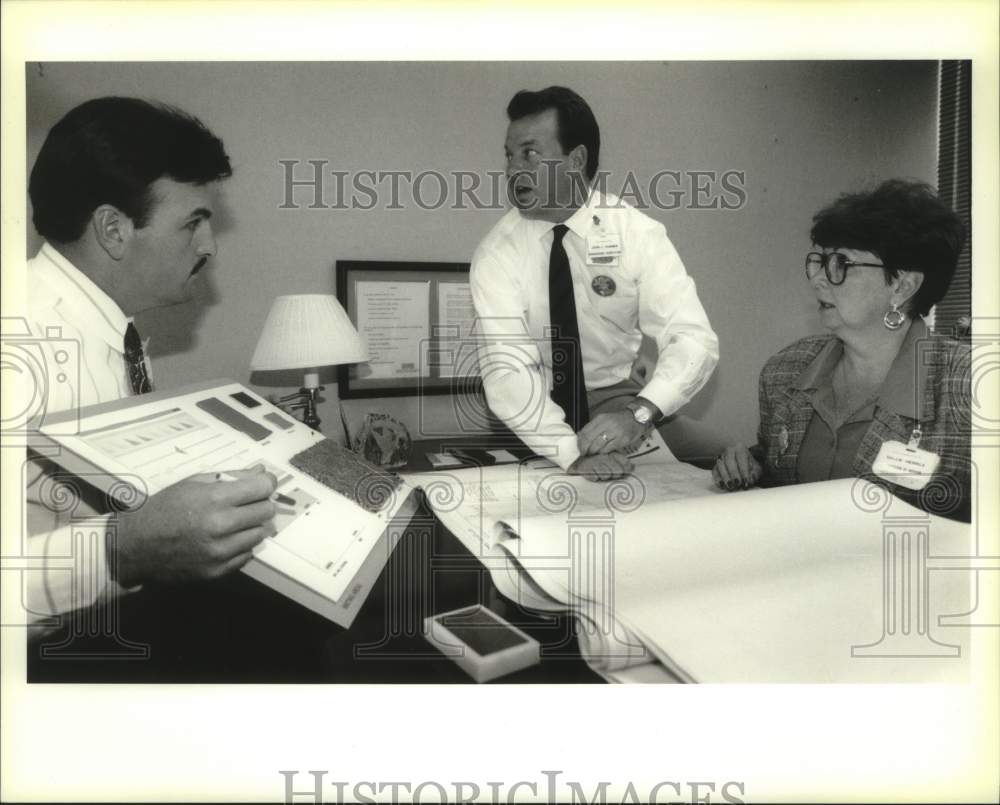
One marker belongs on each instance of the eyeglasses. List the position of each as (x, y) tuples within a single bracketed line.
[(834, 264)]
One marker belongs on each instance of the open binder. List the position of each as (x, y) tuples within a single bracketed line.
[(328, 546)]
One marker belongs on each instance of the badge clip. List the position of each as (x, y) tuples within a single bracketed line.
[(915, 437)]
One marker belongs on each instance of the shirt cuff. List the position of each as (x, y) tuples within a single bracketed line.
[(664, 395), (567, 451), (73, 572)]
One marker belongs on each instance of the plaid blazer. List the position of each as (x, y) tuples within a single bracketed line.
[(941, 406)]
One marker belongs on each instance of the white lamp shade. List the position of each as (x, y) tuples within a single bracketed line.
[(306, 331)]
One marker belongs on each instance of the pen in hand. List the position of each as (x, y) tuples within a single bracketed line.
[(277, 497)]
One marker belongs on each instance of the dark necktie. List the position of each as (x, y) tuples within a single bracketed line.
[(568, 389), (137, 376)]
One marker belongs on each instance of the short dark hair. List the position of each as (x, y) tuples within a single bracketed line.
[(109, 151), (577, 124), (906, 225)]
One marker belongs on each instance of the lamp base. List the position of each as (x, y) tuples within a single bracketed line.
[(309, 415), (305, 398)]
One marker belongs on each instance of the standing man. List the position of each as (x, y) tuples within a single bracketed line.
[(123, 193), (565, 286)]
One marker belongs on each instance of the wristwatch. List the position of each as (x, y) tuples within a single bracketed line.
[(642, 412)]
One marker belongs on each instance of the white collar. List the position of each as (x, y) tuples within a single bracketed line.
[(582, 219), (79, 298), (581, 222)]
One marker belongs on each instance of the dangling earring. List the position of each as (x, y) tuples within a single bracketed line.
[(893, 319)]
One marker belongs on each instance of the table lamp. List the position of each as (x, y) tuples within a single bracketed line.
[(308, 331)]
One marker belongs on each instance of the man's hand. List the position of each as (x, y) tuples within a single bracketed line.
[(617, 432), (736, 468), (199, 528), (603, 467)]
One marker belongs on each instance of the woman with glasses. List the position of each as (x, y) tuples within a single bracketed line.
[(878, 397)]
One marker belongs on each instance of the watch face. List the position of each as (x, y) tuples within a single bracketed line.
[(641, 414)]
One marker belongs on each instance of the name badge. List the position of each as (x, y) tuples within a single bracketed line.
[(604, 249), (904, 465)]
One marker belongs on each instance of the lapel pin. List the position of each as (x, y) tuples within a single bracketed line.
[(603, 285)]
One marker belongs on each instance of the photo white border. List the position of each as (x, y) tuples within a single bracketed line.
[(786, 743)]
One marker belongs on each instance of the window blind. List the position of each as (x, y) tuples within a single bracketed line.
[(954, 180)]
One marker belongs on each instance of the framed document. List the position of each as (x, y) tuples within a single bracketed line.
[(416, 320)]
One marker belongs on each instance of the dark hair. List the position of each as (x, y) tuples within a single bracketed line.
[(109, 151), (906, 225), (577, 125)]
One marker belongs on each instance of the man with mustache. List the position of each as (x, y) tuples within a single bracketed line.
[(123, 192), (566, 285)]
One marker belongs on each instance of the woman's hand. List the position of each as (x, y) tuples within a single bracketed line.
[(736, 468)]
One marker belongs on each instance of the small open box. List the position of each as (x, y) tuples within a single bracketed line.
[(481, 643)]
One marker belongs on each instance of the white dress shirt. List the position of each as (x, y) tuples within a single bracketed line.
[(80, 332), (653, 294)]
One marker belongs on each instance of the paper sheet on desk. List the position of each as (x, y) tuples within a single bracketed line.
[(651, 673), (472, 501), (785, 585), (528, 497), (609, 647), (606, 645)]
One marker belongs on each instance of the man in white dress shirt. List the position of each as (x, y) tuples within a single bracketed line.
[(566, 285), (123, 193)]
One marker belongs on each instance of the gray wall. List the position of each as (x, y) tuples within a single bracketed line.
[(802, 132)]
